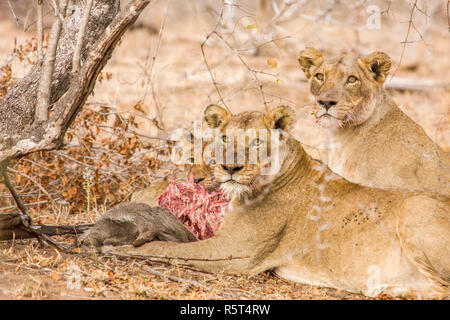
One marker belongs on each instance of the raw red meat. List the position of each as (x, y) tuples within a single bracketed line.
[(200, 211)]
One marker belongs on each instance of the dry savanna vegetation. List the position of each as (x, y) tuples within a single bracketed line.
[(178, 57)]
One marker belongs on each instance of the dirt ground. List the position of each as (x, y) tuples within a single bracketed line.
[(182, 88), (28, 272)]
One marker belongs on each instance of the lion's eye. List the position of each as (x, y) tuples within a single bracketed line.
[(352, 79), (225, 139), (256, 142), (191, 160), (211, 162), (319, 76)]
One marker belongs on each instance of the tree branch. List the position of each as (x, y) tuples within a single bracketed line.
[(39, 30), (45, 84), (11, 227), (80, 37), (26, 224)]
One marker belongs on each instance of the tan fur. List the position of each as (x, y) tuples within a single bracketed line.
[(371, 141), (346, 236)]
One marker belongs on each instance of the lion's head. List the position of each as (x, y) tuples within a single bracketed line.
[(199, 165), (248, 147), (345, 88)]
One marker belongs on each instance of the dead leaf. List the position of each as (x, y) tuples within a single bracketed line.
[(55, 276), (271, 62)]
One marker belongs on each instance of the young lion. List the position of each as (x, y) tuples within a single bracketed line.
[(202, 175), (314, 227), (372, 142)]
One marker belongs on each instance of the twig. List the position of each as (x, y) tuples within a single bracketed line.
[(26, 204), (205, 60), (253, 72), (387, 9), (14, 14), (287, 5), (150, 75), (45, 83), (25, 217), (263, 97), (162, 258), (410, 22), (80, 36), (39, 30), (174, 278), (34, 181)]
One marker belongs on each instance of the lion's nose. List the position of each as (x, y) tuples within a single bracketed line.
[(327, 104), (232, 168)]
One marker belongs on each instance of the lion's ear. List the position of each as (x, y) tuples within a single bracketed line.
[(216, 116), (281, 117), (310, 59), (376, 66)]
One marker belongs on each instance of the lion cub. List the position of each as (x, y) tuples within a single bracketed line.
[(202, 175), (371, 141), (308, 224)]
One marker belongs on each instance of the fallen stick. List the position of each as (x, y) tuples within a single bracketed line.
[(174, 278), (409, 84), (11, 227)]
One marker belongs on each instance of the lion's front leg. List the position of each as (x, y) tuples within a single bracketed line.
[(211, 255)]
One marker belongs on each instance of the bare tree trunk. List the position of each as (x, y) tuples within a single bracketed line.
[(17, 107)]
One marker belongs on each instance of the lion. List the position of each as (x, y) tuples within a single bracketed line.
[(310, 225), (202, 174), (371, 141)]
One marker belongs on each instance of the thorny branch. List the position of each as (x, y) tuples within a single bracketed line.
[(174, 278), (219, 20), (14, 14)]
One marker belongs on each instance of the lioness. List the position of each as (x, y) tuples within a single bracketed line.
[(313, 226), (372, 142)]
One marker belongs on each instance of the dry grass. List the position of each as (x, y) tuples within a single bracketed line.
[(183, 88), (32, 272)]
